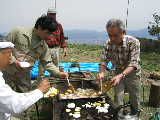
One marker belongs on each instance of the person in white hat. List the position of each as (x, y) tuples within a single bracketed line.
[(12, 102), (124, 52), (57, 40)]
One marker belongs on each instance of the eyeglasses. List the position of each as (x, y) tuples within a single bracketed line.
[(114, 35)]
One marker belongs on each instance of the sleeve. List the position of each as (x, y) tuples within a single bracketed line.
[(134, 54), (12, 35), (47, 63), (63, 43), (104, 57), (13, 102)]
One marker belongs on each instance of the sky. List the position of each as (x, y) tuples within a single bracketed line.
[(77, 14)]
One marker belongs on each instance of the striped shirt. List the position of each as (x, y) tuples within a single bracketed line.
[(122, 56)]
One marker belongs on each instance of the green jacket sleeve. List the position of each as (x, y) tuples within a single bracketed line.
[(47, 63)]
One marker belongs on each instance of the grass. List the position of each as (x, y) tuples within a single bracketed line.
[(150, 61), (83, 53)]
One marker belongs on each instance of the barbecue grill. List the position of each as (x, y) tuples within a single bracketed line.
[(84, 80)]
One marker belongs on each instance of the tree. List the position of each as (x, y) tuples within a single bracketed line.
[(154, 27)]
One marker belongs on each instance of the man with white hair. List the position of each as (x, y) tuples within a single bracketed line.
[(124, 52), (12, 102)]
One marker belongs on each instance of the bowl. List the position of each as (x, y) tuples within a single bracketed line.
[(24, 64)]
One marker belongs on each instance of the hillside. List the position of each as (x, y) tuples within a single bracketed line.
[(96, 37)]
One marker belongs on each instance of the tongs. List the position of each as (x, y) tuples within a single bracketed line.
[(101, 89), (70, 85), (106, 86)]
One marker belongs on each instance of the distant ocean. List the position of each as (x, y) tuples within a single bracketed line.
[(95, 37)]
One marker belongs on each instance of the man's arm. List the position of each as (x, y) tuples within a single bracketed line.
[(47, 63), (133, 62), (115, 80), (13, 102)]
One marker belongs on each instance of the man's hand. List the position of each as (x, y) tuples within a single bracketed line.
[(44, 85), (115, 80), (64, 75), (100, 76), (64, 52)]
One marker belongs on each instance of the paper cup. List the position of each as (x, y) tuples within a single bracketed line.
[(24, 64)]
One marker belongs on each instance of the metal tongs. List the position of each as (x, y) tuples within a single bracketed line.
[(105, 87), (70, 85), (101, 89)]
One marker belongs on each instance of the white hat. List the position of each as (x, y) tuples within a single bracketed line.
[(6, 45), (51, 10)]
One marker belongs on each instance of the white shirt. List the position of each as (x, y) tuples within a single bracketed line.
[(13, 102)]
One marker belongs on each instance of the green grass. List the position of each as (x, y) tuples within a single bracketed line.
[(83, 53), (150, 61)]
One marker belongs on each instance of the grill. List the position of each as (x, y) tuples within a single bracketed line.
[(83, 80), (89, 113)]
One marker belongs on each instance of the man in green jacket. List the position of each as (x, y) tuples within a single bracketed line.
[(29, 47)]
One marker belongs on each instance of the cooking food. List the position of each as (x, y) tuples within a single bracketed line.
[(79, 93), (71, 105), (76, 115), (68, 110), (77, 109), (51, 92), (100, 106), (80, 110)]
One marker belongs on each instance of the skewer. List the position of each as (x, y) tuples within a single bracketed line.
[(70, 85), (68, 81)]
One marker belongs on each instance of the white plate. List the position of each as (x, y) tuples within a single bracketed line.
[(24, 64)]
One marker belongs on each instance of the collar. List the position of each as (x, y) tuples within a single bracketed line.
[(124, 43)]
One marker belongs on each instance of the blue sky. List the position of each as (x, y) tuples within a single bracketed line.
[(77, 14)]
